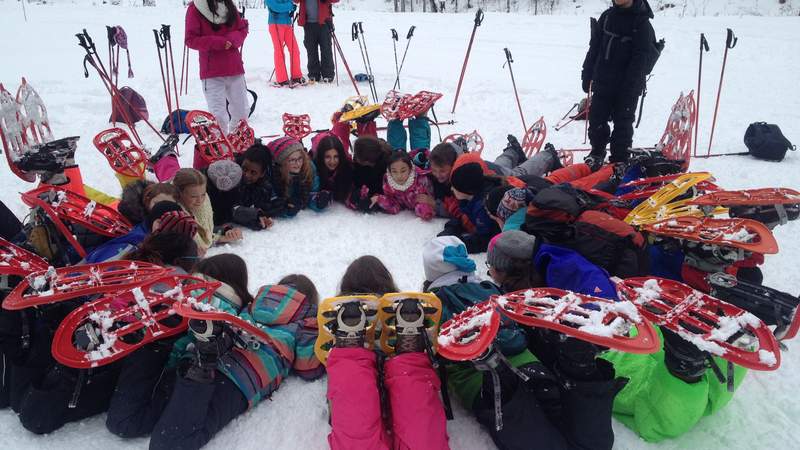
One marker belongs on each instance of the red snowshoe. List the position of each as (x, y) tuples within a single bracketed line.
[(122, 154), (35, 113), (469, 334), (676, 142), (111, 327), (54, 285), (242, 137), (744, 234), (712, 325), (211, 143), (771, 206), (297, 127), (390, 108), (17, 142), (597, 320), (534, 137), (17, 261), (417, 104), (473, 141)]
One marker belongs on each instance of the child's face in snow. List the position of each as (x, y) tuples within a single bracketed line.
[(192, 197), (331, 159), (251, 171), (295, 162), (399, 171), (441, 173)]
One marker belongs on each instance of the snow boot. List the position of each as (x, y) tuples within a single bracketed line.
[(682, 358), (595, 160), (410, 327), (513, 144), (351, 325), (212, 341), (167, 148), (504, 378)]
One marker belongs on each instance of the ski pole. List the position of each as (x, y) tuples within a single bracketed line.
[(341, 55), (403, 61), (561, 125), (395, 38), (510, 60), (183, 67), (730, 42), (703, 47), (168, 40), (588, 113), (164, 78), (358, 28), (478, 21)]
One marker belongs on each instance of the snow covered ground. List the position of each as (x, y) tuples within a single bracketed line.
[(760, 85)]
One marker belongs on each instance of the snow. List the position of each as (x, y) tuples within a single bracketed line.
[(767, 357), (464, 323), (741, 235), (760, 85), (728, 326), (89, 209)]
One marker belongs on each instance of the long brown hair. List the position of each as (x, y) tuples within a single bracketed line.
[(174, 249), (306, 173), (303, 284), (229, 269), (367, 275), (232, 11)]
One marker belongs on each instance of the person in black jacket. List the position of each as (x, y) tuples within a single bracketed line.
[(615, 67)]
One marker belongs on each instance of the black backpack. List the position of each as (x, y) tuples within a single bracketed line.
[(765, 141)]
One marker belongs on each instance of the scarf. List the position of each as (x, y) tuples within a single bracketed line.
[(401, 187)]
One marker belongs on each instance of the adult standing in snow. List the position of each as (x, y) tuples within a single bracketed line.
[(316, 18), (215, 30), (281, 29), (615, 67)]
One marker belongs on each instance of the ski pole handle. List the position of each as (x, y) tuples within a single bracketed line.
[(89, 42), (112, 32), (410, 32), (165, 33), (731, 40), (159, 43), (354, 31), (241, 14), (394, 35), (509, 58), (82, 41), (361, 27), (478, 17), (703, 42)]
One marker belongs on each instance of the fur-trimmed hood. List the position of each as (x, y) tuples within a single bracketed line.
[(219, 18)]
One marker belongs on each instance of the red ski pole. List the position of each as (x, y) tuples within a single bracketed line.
[(730, 42), (164, 78), (478, 21), (703, 47), (510, 60), (168, 40)]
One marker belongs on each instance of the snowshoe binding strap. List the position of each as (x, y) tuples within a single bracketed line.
[(714, 326), (54, 285), (296, 126), (469, 333), (122, 154), (744, 234), (334, 309), (211, 142), (490, 362), (17, 261), (612, 324), (393, 323)]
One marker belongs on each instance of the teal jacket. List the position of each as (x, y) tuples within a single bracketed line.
[(280, 11)]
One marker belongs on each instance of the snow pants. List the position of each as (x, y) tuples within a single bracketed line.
[(418, 420), (233, 90), (177, 413), (419, 134), (317, 40), (620, 107), (538, 164), (580, 176), (283, 36)]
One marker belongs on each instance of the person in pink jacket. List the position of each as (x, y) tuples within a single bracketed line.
[(417, 415), (215, 30), (403, 185)]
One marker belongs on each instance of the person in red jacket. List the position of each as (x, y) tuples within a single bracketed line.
[(216, 31), (316, 18)]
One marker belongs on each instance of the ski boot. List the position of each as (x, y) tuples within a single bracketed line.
[(300, 81), (345, 322), (682, 358), (52, 157), (169, 147), (410, 322), (654, 163), (595, 160), (213, 340)]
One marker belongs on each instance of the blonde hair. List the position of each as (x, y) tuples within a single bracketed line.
[(187, 177), (306, 172)]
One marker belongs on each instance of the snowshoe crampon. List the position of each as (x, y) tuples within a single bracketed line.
[(390, 107), (469, 334), (111, 327), (249, 334), (712, 325), (298, 126), (671, 201), (327, 321), (431, 305), (676, 142), (242, 137), (473, 141), (124, 157), (210, 140), (54, 285), (745, 234), (613, 324), (534, 137), (770, 305), (18, 261)]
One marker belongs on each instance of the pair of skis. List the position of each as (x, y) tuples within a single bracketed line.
[(714, 326)]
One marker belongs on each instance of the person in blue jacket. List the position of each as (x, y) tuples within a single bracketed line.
[(281, 29)]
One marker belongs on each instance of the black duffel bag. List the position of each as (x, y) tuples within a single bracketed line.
[(765, 141)]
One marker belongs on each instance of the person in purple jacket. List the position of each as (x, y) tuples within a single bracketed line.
[(215, 30)]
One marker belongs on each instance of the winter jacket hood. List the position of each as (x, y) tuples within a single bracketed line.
[(217, 18)]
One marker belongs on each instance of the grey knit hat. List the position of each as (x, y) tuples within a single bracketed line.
[(509, 246), (225, 174)]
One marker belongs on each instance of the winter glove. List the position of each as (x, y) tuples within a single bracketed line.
[(248, 217), (421, 159), (586, 85), (323, 199)]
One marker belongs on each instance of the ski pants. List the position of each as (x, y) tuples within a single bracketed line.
[(620, 107), (417, 414), (317, 40), (419, 132), (283, 36), (224, 94), (539, 164), (178, 413), (580, 176)]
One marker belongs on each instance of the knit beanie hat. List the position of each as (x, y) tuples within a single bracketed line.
[(509, 246), (159, 209), (467, 178), (177, 222), (494, 197), (282, 147), (225, 174), (445, 254), (512, 201)]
